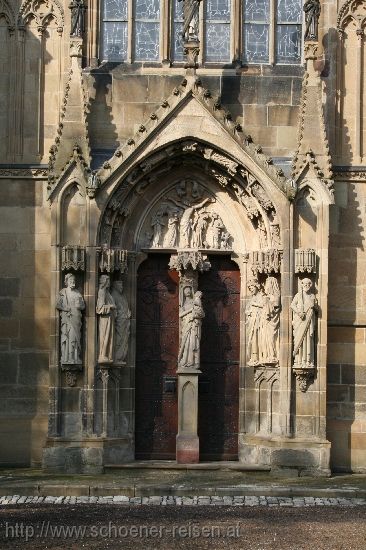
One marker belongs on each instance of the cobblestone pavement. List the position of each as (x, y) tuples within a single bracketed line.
[(187, 501), (202, 523)]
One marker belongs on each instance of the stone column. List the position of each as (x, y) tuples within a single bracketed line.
[(188, 264)]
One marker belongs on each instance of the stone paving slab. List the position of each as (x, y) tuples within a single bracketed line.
[(184, 501)]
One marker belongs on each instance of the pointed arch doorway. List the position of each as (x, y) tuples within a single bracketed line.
[(157, 343)]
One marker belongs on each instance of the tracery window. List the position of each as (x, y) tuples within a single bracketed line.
[(134, 30)]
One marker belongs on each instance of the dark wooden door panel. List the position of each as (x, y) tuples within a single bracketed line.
[(157, 336), (219, 386)]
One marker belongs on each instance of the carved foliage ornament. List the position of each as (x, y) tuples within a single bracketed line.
[(185, 260)]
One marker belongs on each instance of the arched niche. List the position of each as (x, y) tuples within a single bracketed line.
[(351, 88), (42, 23), (73, 212), (305, 219), (7, 56)]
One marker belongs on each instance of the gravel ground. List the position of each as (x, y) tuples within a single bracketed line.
[(110, 526)]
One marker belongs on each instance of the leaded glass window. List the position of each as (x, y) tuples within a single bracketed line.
[(137, 30), (272, 31), (288, 31), (146, 30), (177, 44), (217, 30), (256, 31), (114, 30)]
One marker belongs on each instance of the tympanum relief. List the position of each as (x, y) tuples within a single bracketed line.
[(263, 322), (186, 218)]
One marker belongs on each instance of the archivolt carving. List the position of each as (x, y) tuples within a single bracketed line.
[(43, 12), (7, 12), (351, 9)]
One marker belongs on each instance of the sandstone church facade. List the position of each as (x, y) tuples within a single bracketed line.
[(182, 233)]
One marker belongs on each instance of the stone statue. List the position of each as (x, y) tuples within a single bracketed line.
[(254, 313), (171, 237), (217, 228), (304, 307), (312, 11), (186, 222), (122, 323), (107, 311), (70, 303), (191, 315), (157, 224), (269, 341), (77, 8), (190, 19), (262, 233), (199, 229)]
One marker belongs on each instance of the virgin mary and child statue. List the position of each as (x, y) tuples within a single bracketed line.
[(191, 315)]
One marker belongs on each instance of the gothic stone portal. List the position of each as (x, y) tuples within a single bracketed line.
[(156, 361)]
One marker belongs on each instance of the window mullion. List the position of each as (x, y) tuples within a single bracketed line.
[(235, 46), (201, 32), (164, 31), (272, 32), (130, 31)]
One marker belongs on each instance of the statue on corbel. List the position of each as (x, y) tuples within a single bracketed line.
[(263, 322), (191, 314), (114, 317), (304, 313), (70, 304)]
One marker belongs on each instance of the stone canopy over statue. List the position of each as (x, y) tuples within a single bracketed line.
[(312, 11)]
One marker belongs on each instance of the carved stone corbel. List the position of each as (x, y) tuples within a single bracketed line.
[(305, 377)]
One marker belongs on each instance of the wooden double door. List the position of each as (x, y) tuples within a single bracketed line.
[(157, 343)]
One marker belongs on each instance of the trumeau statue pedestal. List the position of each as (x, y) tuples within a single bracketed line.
[(191, 314)]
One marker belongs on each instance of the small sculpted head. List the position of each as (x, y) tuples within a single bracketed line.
[(70, 280), (306, 285), (253, 286), (104, 281), (118, 285), (187, 291)]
